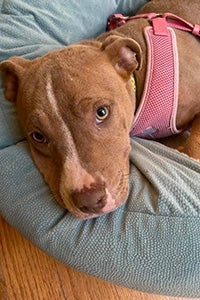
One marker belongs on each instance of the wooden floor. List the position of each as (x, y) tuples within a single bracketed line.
[(27, 273)]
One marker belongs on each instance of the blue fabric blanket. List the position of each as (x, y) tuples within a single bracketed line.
[(150, 243)]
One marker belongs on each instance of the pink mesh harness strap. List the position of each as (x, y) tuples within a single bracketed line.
[(156, 115), (172, 20)]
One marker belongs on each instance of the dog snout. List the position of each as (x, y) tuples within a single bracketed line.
[(90, 199)]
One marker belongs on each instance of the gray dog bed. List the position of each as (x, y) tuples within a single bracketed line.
[(150, 243)]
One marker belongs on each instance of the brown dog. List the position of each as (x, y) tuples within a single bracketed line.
[(76, 106)]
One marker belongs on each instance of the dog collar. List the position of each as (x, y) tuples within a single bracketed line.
[(133, 83), (156, 115)]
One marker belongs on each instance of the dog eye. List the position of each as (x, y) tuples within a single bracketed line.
[(38, 137), (102, 113)]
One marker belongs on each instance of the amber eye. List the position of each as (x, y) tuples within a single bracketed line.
[(38, 137), (102, 113)]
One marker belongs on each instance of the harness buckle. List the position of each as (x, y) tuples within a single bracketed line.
[(115, 20)]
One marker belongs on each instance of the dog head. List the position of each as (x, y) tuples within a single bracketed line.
[(76, 106)]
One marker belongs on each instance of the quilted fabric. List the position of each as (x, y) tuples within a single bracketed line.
[(150, 243)]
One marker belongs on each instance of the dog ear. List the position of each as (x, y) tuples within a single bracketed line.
[(124, 53), (12, 70)]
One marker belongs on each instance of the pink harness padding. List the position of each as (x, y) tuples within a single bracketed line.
[(156, 115)]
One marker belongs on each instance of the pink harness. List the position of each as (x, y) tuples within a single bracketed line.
[(156, 115)]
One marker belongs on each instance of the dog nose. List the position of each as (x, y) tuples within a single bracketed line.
[(90, 199)]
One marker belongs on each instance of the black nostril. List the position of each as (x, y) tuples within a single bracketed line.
[(92, 199)]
